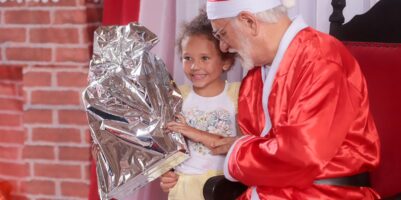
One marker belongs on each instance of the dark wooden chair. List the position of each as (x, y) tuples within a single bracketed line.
[(374, 38)]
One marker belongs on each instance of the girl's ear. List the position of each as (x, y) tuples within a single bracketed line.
[(225, 68), (227, 64)]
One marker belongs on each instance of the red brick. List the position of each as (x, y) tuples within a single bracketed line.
[(74, 153), (87, 172), (14, 169), (10, 72), (88, 138), (54, 35), (25, 95), (47, 199), (55, 97), (63, 3), (38, 187), (13, 120), (85, 2), (12, 136), (38, 152), (26, 17), (33, 116), (8, 89), (20, 90), (70, 189), (72, 54), (19, 197), (82, 2), (88, 33), (72, 79), (29, 54), (56, 66), (70, 17), (37, 79), (58, 135), (94, 15), (77, 117), (12, 35), (9, 152), (57, 171), (12, 4), (11, 104)]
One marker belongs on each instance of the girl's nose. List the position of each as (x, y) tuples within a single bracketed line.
[(194, 66)]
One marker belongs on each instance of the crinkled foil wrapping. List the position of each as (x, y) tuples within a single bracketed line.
[(129, 100)]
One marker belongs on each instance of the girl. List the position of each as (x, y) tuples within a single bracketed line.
[(209, 109)]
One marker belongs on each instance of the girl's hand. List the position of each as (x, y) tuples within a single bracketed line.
[(192, 133), (182, 127), (168, 180), (181, 119)]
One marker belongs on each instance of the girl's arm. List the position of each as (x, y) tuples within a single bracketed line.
[(206, 138)]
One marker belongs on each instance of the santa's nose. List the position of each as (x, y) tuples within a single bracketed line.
[(223, 46)]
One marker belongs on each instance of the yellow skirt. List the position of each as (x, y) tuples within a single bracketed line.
[(190, 186)]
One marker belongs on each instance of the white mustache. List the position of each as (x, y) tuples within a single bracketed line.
[(232, 51)]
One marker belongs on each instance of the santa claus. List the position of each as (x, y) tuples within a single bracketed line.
[(304, 110)]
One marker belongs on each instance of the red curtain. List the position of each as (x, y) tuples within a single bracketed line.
[(115, 12), (120, 12)]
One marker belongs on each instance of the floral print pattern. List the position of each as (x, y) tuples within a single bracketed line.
[(216, 122)]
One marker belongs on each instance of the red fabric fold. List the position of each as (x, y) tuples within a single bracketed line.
[(250, 103), (120, 12)]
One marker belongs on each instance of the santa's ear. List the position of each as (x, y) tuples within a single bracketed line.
[(249, 21)]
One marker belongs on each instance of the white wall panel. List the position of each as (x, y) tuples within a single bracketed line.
[(165, 18)]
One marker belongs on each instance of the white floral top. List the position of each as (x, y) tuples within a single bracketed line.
[(217, 122), (211, 114)]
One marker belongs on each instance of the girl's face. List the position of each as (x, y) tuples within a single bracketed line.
[(203, 65)]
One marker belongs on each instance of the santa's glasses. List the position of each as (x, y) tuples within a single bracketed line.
[(219, 34)]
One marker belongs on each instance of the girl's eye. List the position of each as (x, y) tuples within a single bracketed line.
[(205, 58), (186, 58)]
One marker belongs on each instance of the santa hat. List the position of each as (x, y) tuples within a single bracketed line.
[(217, 9)]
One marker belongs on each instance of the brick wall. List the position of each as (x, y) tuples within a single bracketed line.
[(44, 140)]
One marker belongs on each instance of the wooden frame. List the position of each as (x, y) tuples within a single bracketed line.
[(373, 26)]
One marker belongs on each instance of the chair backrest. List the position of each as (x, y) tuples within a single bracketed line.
[(374, 38), (382, 23)]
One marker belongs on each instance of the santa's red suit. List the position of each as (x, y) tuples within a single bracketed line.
[(306, 117)]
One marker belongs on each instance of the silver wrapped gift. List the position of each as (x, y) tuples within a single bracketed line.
[(129, 100)]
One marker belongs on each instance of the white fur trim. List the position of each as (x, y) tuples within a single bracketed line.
[(231, 8), (227, 174), (288, 3)]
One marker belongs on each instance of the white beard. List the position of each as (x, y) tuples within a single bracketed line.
[(243, 55), (243, 52), (246, 61)]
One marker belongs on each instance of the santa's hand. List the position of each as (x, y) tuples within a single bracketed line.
[(222, 145), (168, 181)]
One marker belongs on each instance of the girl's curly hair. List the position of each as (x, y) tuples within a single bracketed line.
[(201, 25)]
